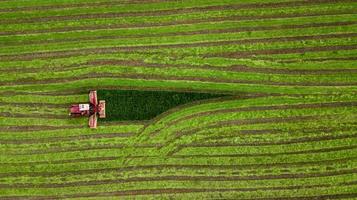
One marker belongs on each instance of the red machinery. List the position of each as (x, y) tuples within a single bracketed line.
[(91, 109)]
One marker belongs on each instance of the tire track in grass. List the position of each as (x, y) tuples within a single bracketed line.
[(176, 166), (243, 54), (183, 178), (167, 12)]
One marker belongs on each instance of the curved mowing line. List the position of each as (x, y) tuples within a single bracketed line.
[(180, 147), (195, 144), (98, 159), (168, 12), (186, 33), (242, 54), (180, 134), (177, 166), (144, 192), (252, 144), (257, 108), (181, 178)]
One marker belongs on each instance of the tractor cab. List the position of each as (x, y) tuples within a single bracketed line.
[(91, 109)]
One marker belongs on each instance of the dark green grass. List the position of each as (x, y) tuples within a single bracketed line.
[(145, 105)]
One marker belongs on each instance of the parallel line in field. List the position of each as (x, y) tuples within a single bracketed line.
[(35, 128), (313, 151), (267, 108), (324, 130), (234, 68), (172, 23), (82, 149), (53, 94), (54, 162), (28, 104), (258, 108), (292, 141), (175, 166), (182, 178), (76, 5), (33, 115), (247, 54), (250, 121), (97, 76), (83, 90), (143, 192), (196, 144), (141, 63), (313, 59), (108, 50), (205, 144), (249, 132), (185, 33), (68, 138), (167, 12)]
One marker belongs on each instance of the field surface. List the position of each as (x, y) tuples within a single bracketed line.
[(286, 129)]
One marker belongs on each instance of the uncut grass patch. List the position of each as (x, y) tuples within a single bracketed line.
[(145, 105)]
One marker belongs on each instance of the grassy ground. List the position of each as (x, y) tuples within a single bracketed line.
[(287, 132)]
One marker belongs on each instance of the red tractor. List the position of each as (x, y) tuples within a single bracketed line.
[(91, 109)]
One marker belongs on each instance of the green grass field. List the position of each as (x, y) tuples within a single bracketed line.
[(286, 131)]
